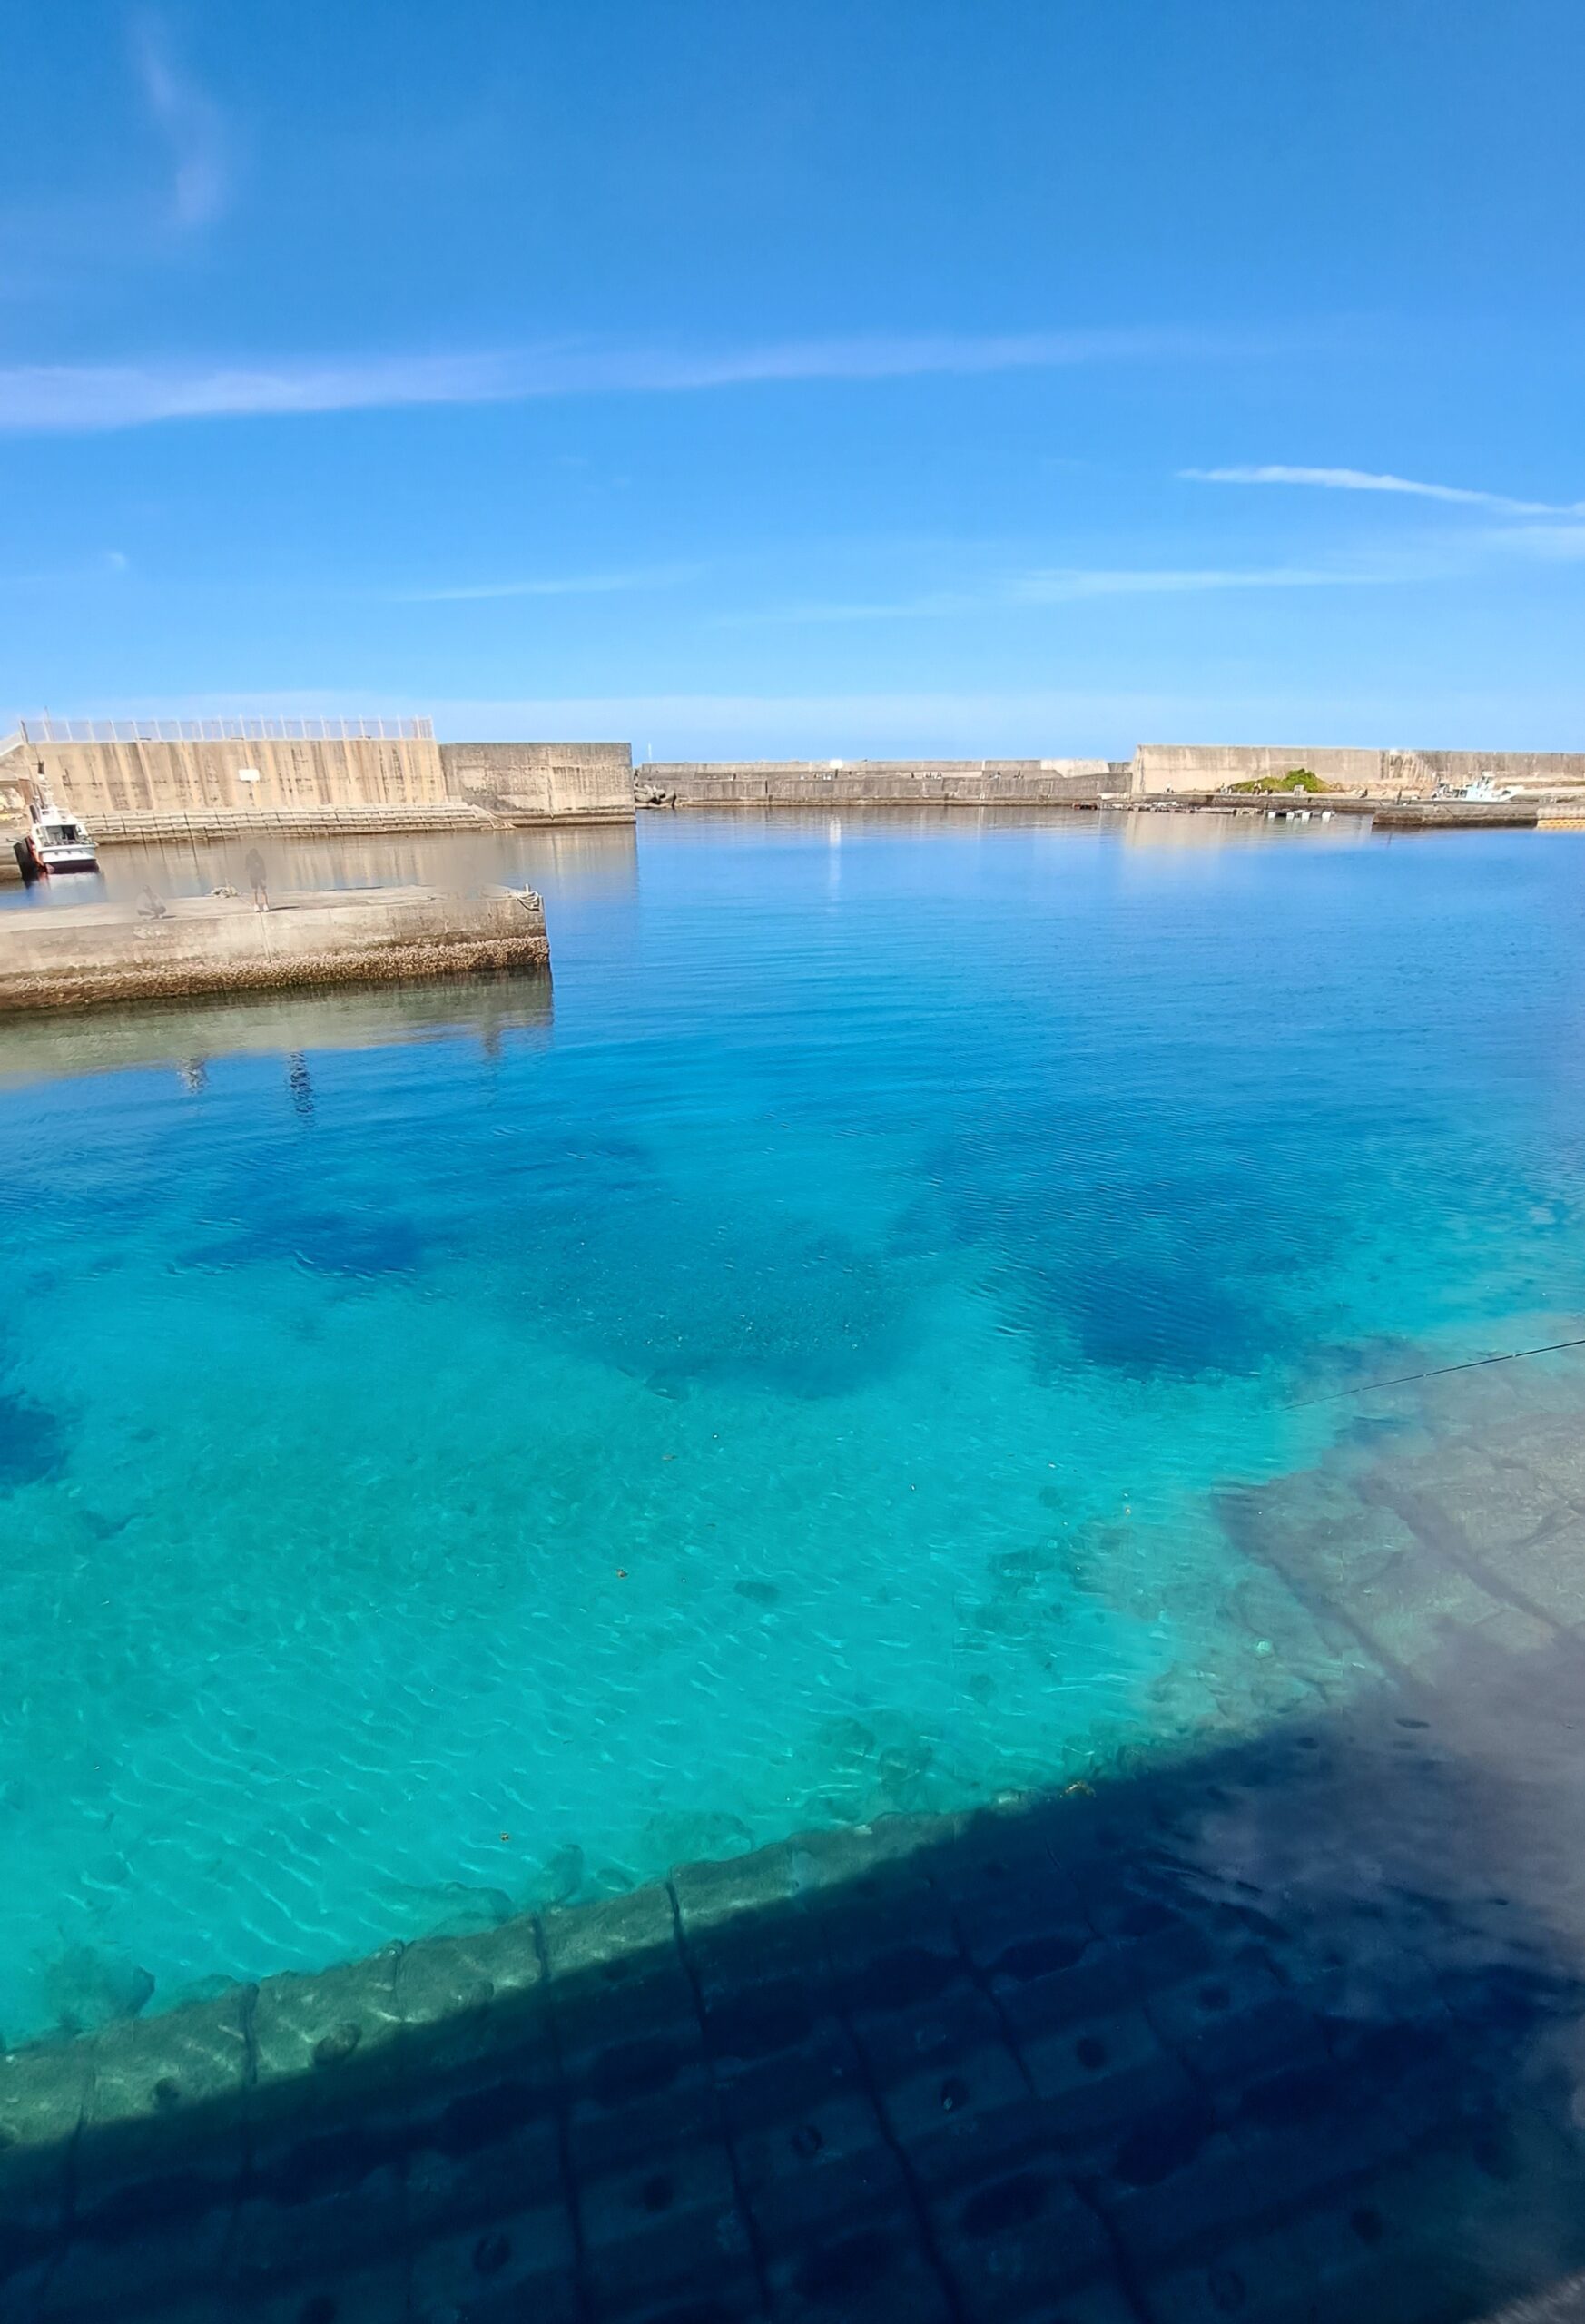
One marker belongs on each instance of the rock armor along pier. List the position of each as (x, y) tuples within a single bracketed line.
[(87, 954)]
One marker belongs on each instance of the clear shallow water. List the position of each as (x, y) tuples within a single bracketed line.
[(793, 1377)]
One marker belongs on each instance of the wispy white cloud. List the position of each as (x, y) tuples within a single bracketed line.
[(1365, 480), (1067, 584), (1062, 584), (192, 122), (1550, 544), (578, 584), (106, 566), (83, 396)]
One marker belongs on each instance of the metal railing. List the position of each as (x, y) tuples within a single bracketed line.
[(226, 729)]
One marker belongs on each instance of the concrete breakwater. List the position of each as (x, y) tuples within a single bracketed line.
[(1158, 774), (122, 775), (1075, 2058), (882, 782), (81, 955)]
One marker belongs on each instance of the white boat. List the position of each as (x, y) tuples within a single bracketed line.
[(55, 842)]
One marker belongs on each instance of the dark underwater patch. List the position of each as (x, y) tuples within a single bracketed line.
[(33, 1442), (352, 1243), (1139, 1255), (674, 1293)]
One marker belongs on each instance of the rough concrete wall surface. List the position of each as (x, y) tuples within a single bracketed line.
[(196, 944), (876, 782), (1534, 769), (223, 823), (169, 776), (1212, 766), (587, 781), (1383, 773)]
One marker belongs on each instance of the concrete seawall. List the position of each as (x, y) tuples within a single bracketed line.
[(1374, 773), (81, 955), (542, 783), (1157, 772), (130, 778), (880, 782)]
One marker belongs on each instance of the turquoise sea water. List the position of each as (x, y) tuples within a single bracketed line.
[(464, 1450)]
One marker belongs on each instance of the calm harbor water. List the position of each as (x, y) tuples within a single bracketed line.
[(466, 1450)]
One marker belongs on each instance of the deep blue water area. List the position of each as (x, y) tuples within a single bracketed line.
[(468, 1449)]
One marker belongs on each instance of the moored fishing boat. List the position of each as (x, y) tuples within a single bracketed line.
[(53, 843)]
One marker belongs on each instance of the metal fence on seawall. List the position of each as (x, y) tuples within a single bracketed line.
[(225, 730)]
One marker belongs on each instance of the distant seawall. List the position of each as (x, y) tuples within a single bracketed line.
[(880, 782), (1156, 771), (154, 779), (130, 778), (1202, 768)]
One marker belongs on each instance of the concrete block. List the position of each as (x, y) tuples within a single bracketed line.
[(1177, 2184), (744, 2023), (43, 2094), (1259, 2278), (376, 2295), (952, 2121), (608, 2136), (760, 1884), (825, 2164), (167, 2101), (1462, 1498), (1229, 2028), (617, 1978), (327, 2042), (1338, 2266), (1113, 2071), (358, 2222), (519, 2263), (910, 1977), (1101, 2302), (934, 2033), (1037, 1908), (24, 2280), (1111, 1973), (621, 1937), (868, 2270), (42, 2099), (825, 1864), (671, 2222), (1018, 2241), (759, 2095), (475, 2179), (734, 1955), (726, 2292), (1549, 1573), (1182, 2011), (117, 2264), (1554, 1451), (483, 1991)]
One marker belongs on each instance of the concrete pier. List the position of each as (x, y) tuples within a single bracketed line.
[(66, 956)]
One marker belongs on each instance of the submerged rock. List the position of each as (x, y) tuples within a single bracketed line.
[(87, 1989)]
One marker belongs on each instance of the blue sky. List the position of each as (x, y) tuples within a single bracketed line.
[(837, 377)]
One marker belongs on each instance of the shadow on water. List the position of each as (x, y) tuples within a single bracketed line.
[(1283, 2032)]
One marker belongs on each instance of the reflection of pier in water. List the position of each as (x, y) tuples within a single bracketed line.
[(576, 860), (187, 1035)]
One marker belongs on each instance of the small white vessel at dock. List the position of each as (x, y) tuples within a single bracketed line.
[(55, 842)]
